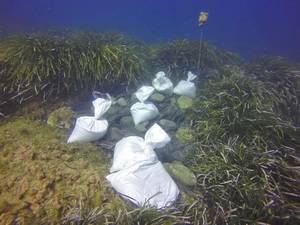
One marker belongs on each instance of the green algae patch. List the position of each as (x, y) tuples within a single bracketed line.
[(184, 135), (61, 117), (41, 176), (184, 102)]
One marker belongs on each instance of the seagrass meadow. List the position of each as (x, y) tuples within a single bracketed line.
[(244, 128)]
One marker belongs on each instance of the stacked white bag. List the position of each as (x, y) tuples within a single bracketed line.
[(186, 87), (143, 111), (138, 175), (163, 84), (92, 128)]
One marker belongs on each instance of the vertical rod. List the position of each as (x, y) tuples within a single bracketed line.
[(200, 50)]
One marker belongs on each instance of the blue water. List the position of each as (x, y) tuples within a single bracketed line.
[(248, 27)]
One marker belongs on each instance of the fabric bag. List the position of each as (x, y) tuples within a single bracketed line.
[(142, 112), (144, 93), (186, 87), (87, 129), (162, 84), (131, 150), (101, 106), (145, 183), (138, 175)]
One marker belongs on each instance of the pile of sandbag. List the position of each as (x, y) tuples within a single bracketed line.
[(138, 175), (92, 128)]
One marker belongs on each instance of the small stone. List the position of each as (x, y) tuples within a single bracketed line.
[(173, 101), (181, 153), (141, 127), (157, 97), (113, 110), (181, 173), (115, 134), (126, 121), (184, 102), (122, 102), (168, 125)]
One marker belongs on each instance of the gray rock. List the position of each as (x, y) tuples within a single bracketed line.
[(133, 98), (115, 134), (122, 102), (181, 173), (173, 101), (156, 97), (116, 117), (181, 153), (167, 125), (126, 121), (141, 127), (172, 112), (113, 110), (184, 102)]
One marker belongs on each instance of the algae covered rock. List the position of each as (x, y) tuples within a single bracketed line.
[(168, 125), (157, 97), (181, 173), (142, 127), (184, 102), (184, 135), (126, 121), (115, 134), (61, 118), (113, 110), (122, 102)]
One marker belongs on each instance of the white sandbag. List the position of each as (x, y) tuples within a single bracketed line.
[(145, 183), (131, 150), (140, 177), (162, 84), (101, 105), (186, 87), (88, 129), (143, 112), (144, 93)]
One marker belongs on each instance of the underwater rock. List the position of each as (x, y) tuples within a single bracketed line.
[(113, 110), (122, 102), (173, 101), (173, 113), (126, 121), (115, 134), (167, 125), (142, 127), (181, 153), (184, 102), (181, 173), (184, 135), (157, 97), (61, 117)]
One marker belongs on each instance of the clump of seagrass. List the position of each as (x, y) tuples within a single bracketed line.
[(81, 213), (246, 156), (50, 66), (181, 56), (282, 79)]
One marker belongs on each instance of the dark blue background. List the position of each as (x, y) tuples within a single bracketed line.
[(249, 27)]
